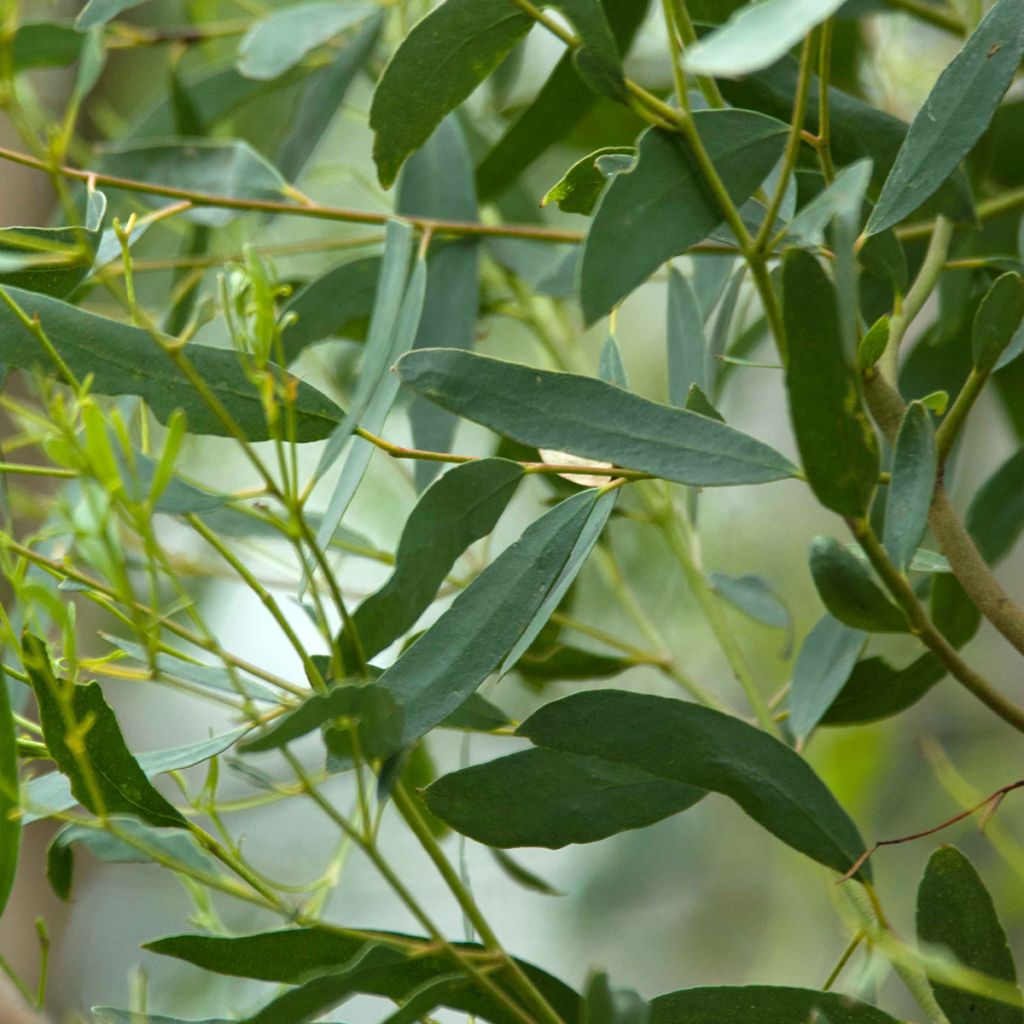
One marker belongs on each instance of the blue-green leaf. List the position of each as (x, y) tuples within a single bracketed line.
[(914, 466)]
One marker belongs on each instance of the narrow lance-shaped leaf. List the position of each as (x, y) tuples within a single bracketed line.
[(997, 320), (685, 341), (686, 743), (763, 1004), (126, 360), (10, 823), (996, 515), (468, 642), (588, 417), (280, 40), (837, 445), (551, 798), (459, 508), (438, 182), (104, 777), (756, 36), (955, 910), (914, 466), (848, 591), (662, 207), (956, 112), (846, 192)]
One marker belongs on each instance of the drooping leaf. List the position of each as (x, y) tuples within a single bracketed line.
[(756, 36), (956, 112), (550, 798), (10, 823), (126, 360), (579, 189), (470, 640), (826, 659), (457, 509), (226, 168), (291, 956), (697, 746), (762, 1004), (837, 445), (171, 845), (330, 305), (277, 42), (438, 181), (591, 418), (104, 777), (55, 260), (321, 98), (848, 591), (685, 341), (439, 63), (955, 910), (997, 321), (540, 665), (522, 875), (996, 515), (914, 466), (50, 794), (661, 208)]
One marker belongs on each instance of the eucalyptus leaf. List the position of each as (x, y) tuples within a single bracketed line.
[(591, 418), (996, 515), (823, 666), (579, 189), (10, 823), (914, 467), (848, 591), (687, 743), (99, 12), (45, 44), (998, 319), (685, 341), (762, 1004), (754, 596)]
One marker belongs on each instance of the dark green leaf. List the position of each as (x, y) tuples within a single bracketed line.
[(10, 823), (955, 910), (45, 44), (280, 40), (685, 341), (848, 591), (756, 36), (826, 659), (588, 417), (477, 714), (452, 658), (873, 344), (438, 181), (837, 445), (126, 360), (550, 798), (579, 189), (914, 465), (877, 690), (292, 956), (956, 112), (439, 63), (221, 167), (523, 876), (171, 845), (455, 511), (661, 208), (996, 515), (699, 403), (762, 1004), (562, 662), (686, 743), (112, 1015), (107, 779), (997, 320)]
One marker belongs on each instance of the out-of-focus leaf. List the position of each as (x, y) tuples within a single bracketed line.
[(591, 418), (997, 321), (10, 823), (126, 360), (280, 40), (99, 12), (764, 1004), (685, 341), (754, 596), (698, 746), (955, 910), (112, 782), (457, 509), (848, 591), (550, 798), (956, 112), (837, 445), (661, 208), (826, 659), (562, 662), (914, 466), (45, 44), (996, 515), (523, 876)]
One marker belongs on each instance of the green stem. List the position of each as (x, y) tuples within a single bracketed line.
[(954, 420), (824, 142), (679, 18)]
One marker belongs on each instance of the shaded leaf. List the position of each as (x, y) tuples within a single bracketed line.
[(591, 418), (837, 445), (99, 12), (551, 798), (563, 662), (762, 1004), (877, 690), (754, 596), (606, 1005), (126, 360), (579, 189), (697, 746), (956, 112), (845, 193), (661, 208), (997, 320), (104, 777), (10, 823), (45, 44), (848, 591), (996, 514), (823, 666), (914, 466), (523, 876), (954, 909)]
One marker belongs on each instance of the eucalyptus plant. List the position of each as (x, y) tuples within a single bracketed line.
[(753, 172)]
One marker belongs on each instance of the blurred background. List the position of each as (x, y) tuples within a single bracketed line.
[(703, 898)]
